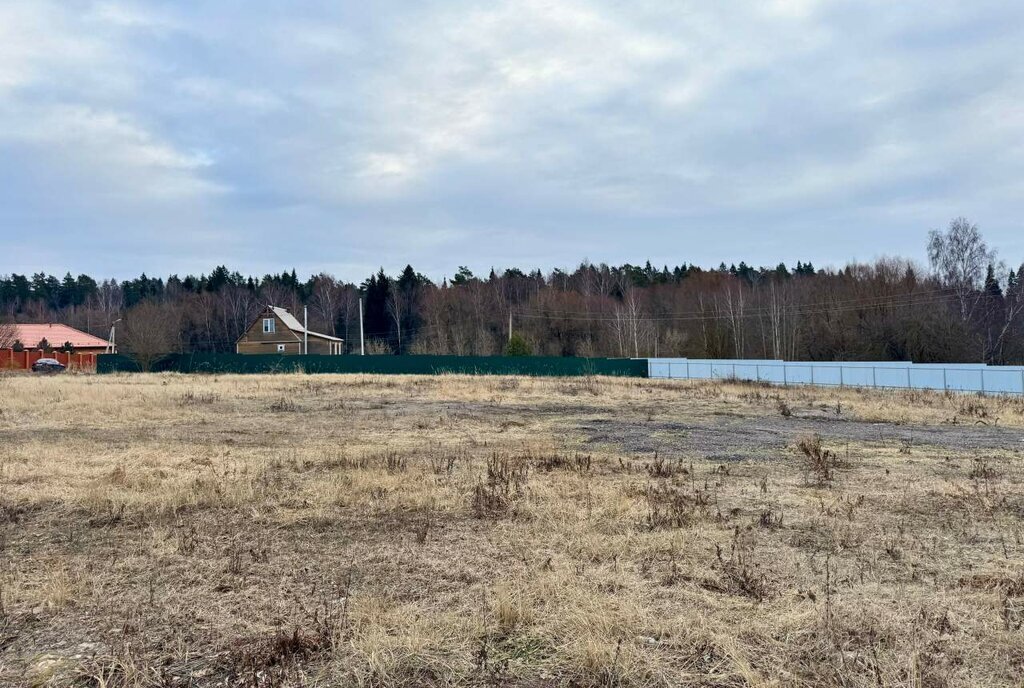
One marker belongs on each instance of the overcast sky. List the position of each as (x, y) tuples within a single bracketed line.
[(343, 136)]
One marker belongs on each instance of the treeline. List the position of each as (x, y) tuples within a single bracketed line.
[(965, 306)]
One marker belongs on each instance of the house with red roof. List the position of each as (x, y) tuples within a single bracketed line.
[(32, 337)]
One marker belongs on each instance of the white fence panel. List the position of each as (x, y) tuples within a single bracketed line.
[(964, 379), (955, 377), (927, 378), (891, 377), (998, 381)]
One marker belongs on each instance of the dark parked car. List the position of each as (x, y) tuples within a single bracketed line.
[(47, 365)]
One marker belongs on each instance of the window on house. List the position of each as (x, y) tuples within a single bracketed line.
[(280, 348), (268, 325)]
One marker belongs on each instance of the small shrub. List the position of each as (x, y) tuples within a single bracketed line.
[(193, 398), (394, 462), (821, 462), (739, 576), (423, 525), (669, 506), (187, 538), (506, 483), (444, 462), (746, 581), (284, 405), (577, 463), (981, 470), (771, 517), (517, 346), (273, 658), (662, 468), (584, 384), (508, 384), (358, 463)]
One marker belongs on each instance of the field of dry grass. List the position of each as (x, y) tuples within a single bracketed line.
[(166, 530)]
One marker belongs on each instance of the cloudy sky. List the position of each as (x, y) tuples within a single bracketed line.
[(342, 136)]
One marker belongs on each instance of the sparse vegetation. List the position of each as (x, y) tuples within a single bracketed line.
[(284, 530), (821, 462)]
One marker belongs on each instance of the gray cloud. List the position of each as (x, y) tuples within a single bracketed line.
[(149, 136)]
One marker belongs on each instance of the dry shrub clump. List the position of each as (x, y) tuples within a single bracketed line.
[(820, 463), (504, 485), (291, 530)]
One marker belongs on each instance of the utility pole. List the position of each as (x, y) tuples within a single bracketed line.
[(362, 345), (112, 342), (509, 324), (305, 330)]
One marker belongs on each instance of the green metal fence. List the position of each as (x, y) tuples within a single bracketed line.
[(396, 365)]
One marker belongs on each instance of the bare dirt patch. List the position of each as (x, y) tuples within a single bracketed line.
[(744, 437)]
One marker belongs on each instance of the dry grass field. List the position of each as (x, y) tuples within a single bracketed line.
[(168, 530)]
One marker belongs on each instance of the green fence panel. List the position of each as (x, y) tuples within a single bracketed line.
[(398, 365), (116, 363)]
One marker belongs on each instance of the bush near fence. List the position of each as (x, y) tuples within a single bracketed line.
[(399, 365)]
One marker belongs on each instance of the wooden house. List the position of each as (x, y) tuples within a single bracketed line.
[(276, 331)]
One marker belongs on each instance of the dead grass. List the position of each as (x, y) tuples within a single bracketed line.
[(290, 530)]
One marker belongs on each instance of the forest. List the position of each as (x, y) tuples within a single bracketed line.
[(965, 305)]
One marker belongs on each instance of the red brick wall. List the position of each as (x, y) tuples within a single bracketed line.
[(23, 360)]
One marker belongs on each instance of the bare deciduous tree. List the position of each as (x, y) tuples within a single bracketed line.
[(959, 257), (8, 335), (151, 330), (327, 302), (108, 300), (396, 309), (735, 309), (628, 322)]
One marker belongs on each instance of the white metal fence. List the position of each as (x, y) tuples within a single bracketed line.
[(966, 377)]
